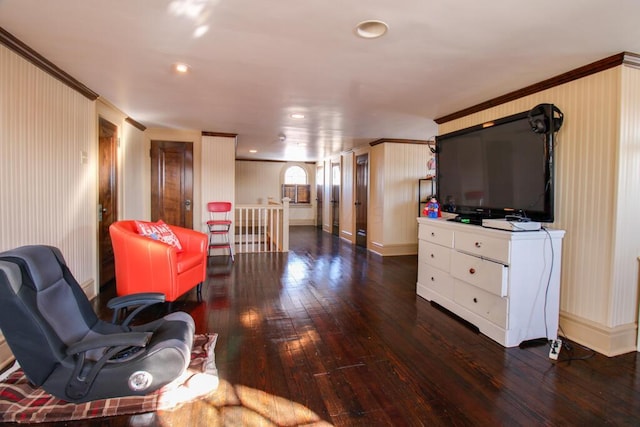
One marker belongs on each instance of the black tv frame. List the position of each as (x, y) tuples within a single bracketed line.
[(547, 113)]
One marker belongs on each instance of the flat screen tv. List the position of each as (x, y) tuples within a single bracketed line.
[(499, 169)]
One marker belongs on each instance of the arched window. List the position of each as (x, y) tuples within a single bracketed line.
[(295, 175), (296, 185)]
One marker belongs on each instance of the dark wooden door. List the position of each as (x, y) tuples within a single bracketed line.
[(172, 182), (319, 195), (107, 196), (362, 190), (335, 198)]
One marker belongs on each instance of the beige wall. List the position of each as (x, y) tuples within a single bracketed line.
[(257, 181), (347, 208), (597, 164), (393, 203), (218, 179), (327, 215), (394, 170), (48, 146), (135, 175), (626, 266), (48, 192)]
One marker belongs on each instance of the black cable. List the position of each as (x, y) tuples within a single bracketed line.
[(546, 292), (569, 347)]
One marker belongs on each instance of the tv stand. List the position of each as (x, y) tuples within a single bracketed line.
[(505, 283)]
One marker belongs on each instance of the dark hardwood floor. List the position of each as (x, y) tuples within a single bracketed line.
[(342, 332)]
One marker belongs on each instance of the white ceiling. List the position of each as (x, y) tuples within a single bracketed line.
[(262, 60)]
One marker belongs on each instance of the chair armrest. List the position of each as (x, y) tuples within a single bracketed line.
[(140, 300), (142, 264), (143, 298), (84, 374), (190, 240), (129, 339)]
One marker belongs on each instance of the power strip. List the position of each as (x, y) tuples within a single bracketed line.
[(554, 351)]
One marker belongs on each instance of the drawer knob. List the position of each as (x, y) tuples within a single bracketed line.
[(472, 271), (432, 256), (433, 279), (478, 244), (433, 234), (475, 300)]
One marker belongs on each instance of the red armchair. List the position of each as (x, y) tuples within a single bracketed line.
[(147, 265)]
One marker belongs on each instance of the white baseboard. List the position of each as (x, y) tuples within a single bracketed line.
[(90, 289), (294, 222), (603, 339), (394, 250)]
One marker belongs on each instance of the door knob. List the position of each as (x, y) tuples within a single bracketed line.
[(101, 210)]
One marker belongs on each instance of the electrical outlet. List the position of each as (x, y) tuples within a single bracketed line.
[(554, 351)]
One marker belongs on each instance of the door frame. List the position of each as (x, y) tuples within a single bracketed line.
[(114, 197), (361, 200), (335, 204), (319, 195)]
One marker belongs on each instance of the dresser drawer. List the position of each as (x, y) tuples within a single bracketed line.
[(435, 234), (484, 246), (485, 274), (482, 303), (437, 280), (434, 255)]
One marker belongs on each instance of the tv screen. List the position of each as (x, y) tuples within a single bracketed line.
[(497, 169)]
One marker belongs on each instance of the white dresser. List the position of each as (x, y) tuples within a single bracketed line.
[(505, 283)]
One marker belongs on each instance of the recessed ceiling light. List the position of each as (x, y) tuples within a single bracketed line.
[(253, 151), (200, 31), (181, 67), (371, 29), (297, 116)]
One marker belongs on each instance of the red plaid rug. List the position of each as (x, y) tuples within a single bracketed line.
[(20, 402)]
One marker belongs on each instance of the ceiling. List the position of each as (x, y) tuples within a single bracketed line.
[(260, 61)]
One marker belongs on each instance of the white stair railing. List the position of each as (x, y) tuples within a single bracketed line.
[(262, 228)]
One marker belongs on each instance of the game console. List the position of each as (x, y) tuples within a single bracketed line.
[(511, 224)]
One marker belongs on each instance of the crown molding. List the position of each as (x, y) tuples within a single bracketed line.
[(222, 134), (10, 41), (135, 124), (398, 141), (626, 58)]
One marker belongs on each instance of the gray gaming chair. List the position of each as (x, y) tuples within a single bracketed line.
[(66, 349)]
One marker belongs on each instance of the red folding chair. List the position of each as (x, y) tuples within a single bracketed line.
[(219, 225)]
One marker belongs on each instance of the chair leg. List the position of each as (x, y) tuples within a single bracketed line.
[(199, 292)]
